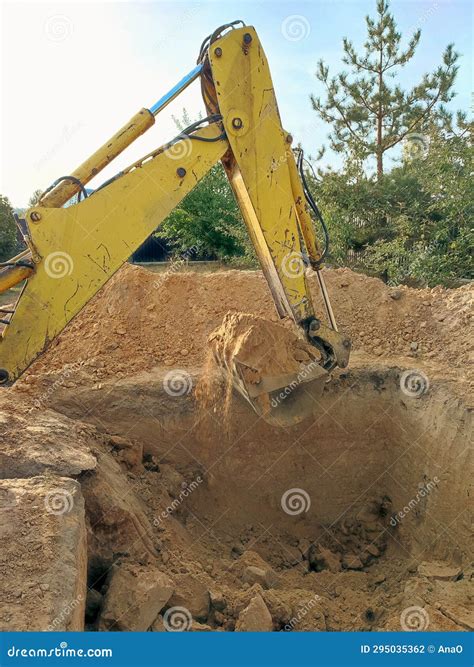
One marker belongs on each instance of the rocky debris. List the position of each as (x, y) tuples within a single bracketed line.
[(256, 575), (237, 550), (135, 596), (255, 617), (252, 569), (320, 559), (461, 615), (116, 517), (279, 606), (290, 556), (372, 550), (352, 562), (128, 452), (439, 570), (199, 627), (132, 457), (248, 558), (217, 599), (43, 561), (120, 443), (352, 543), (191, 593), (41, 441), (378, 579), (395, 294), (448, 602), (172, 480)]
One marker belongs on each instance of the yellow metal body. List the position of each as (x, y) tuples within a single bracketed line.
[(15, 272), (259, 171), (75, 250), (83, 246)]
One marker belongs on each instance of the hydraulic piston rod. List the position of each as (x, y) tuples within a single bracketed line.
[(136, 126)]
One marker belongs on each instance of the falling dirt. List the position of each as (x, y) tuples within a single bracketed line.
[(264, 348), (356, 518)]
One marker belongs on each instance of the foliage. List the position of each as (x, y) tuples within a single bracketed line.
[(415, 223), (370, 116), (35, 197), (207, 220), (8, 232)]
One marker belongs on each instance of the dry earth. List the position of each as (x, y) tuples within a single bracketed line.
[(129, 503)]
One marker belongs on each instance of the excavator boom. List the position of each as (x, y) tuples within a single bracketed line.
[(73, 251)]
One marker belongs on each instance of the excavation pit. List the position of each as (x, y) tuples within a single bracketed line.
[(362, 505), (354, 519)]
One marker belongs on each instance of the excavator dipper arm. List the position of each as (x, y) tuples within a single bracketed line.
[(73, 251)]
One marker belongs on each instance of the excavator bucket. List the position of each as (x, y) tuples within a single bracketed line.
[(271, 366)]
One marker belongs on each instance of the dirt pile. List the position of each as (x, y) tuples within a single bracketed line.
[(141, 320)]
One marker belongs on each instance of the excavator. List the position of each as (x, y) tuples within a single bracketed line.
[(76, 239)]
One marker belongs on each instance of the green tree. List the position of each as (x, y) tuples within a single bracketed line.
[(368, 114), (8, 232), (35, 197), (208, 219), (441, 249), (413, 225)]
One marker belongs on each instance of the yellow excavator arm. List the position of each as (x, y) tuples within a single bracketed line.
[(72, 251)]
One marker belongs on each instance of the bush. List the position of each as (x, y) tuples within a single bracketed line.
[(8, 230)]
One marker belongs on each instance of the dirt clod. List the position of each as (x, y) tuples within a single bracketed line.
[(255, 617), (135, 596)]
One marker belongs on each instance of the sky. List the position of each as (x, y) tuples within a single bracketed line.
[(73, 73)]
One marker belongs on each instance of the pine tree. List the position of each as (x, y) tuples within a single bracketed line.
[(370, 115)]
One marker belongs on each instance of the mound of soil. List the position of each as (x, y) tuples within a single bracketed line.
[(140, 320)]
